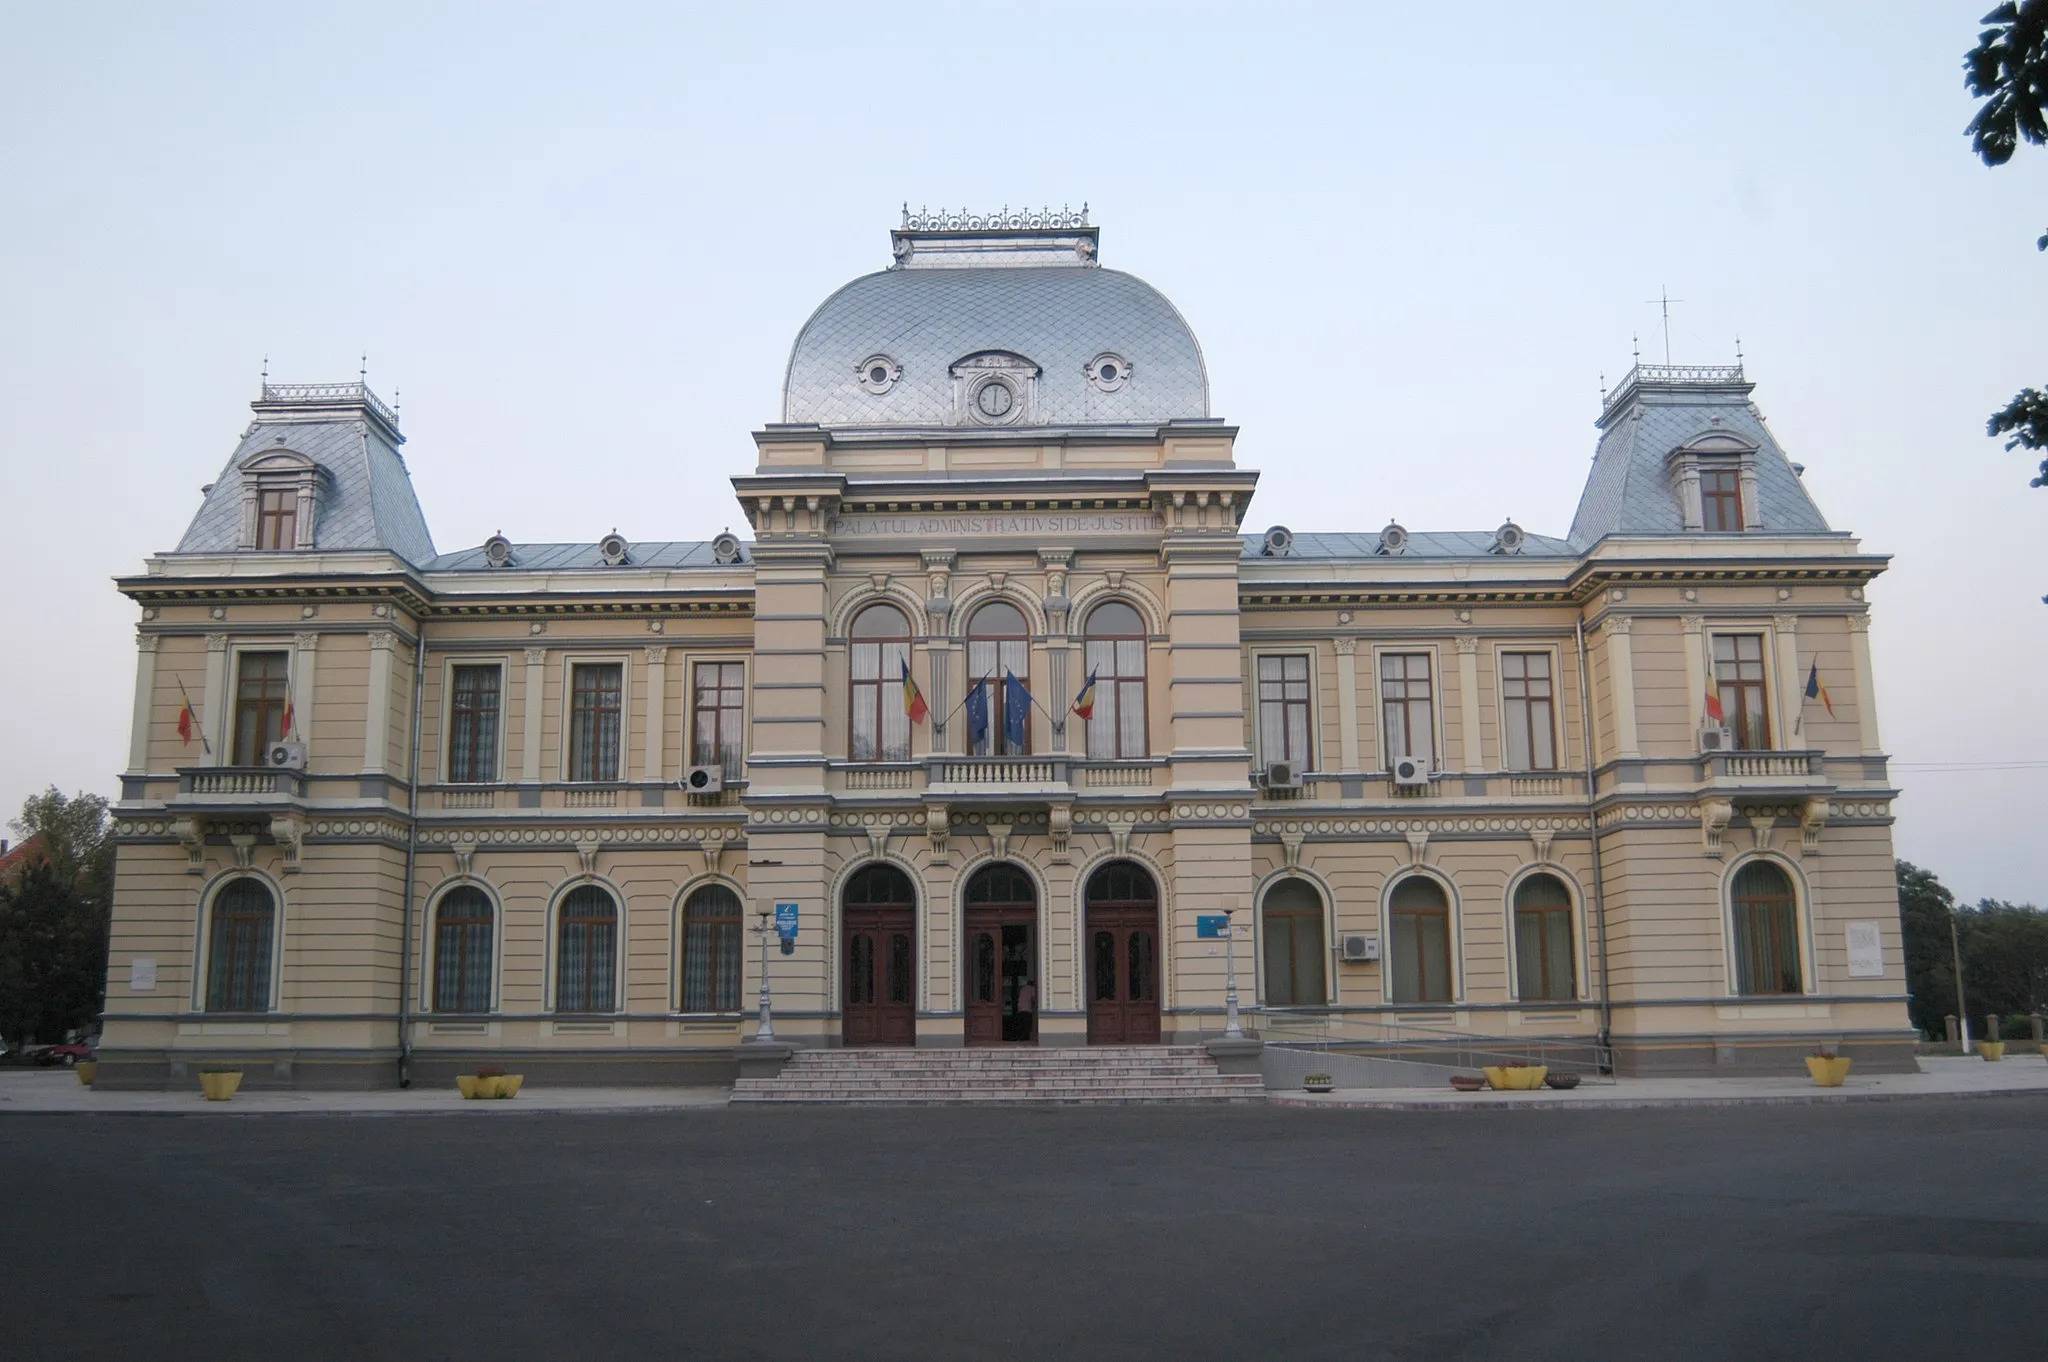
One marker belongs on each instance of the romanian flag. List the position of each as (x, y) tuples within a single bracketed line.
[(1084, 703), (1815, 690), (1714, 710), (913, 698), (286, 727), (185, 722)]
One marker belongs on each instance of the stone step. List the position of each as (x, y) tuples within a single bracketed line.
[(1022, 1076)]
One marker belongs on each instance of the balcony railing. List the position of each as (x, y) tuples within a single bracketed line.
[(997, 771), (215, 782), (1799, 768)]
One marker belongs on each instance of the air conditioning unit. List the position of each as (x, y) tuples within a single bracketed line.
[(1359, 947), (1715, 738), (704, 780), (287, 755), (1282, 775), (1411, 771)]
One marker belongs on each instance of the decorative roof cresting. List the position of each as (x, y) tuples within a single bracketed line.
[(1020, 219)]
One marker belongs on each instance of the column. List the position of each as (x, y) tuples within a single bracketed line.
[(1866, 696), (657, 712), (214, 701), (1621, 673), (1785, 627), (1468, 700), (531, 699), (305, 676), (145, 703), (1695, 627), (1347, 705), (377, 711)]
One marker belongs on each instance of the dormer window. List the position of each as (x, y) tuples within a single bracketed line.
[(280, 494), (1720, 500), (1713, 478)]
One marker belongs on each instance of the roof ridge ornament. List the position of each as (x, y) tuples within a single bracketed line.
[(1063, 218)]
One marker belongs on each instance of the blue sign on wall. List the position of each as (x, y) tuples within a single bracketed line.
[(785, 921), (1212, 926)]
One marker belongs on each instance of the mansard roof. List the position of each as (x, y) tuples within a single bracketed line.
[(1659, 409), (366, 499), (1420, 544), (678, 553)]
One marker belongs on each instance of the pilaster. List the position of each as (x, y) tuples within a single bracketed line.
[(1866, 696), (1347, 705), (377, 709), (145, 703), (1468, 701), (657, 712), (214, 703), (1621, 670), (304, 680), (1786, 646), (532, 701)]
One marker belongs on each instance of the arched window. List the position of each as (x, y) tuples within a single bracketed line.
[(1543, 941), (879, 724), (1293, 922), (1419, 916), (586, 962), (1116, 666), (711, 950), (462, 951), (1766, 931), (999, 641), (238, 953)]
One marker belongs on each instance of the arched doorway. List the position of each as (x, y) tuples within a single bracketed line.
[(878, 918), (1001, 956), (1122, 955)]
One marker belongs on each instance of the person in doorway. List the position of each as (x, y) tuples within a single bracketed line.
[(1027, 1005)]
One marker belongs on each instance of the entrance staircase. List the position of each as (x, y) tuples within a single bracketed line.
[(1106, 1075)]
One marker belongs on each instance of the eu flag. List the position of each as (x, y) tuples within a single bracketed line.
[(977, 717), (1016, 710)]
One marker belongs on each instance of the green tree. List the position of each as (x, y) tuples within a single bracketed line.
[(53, 920), (2005, 959), (1925, 909), (2008, 70)]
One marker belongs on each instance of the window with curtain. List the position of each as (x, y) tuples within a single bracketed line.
[(878, 727), (1766, 931), (1283, 709), (596, 714), (999, 640), (1526, 700), (1721, 499), (586, 957), (1292, 922), (1739, 681), (1115, 657), (239, 947), (711, 950), (1544, 970), (1405, 705), (462, 950), (473, 723), (1419, 919), (262, 694), (719, 709)]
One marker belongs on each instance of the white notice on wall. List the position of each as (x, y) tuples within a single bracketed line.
[(142, 975), (1866, 951)]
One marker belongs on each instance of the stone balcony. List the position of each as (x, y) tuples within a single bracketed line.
[(238, 787)]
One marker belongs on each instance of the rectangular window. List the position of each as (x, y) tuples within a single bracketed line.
[(277, 518), (1721, 499), (596, 700), (1283, 710), (473, 724), (1405, 703), (719, 708), (1525, 687), (262, 693), (1739, 681)]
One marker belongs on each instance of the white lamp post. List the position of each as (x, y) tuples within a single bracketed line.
[(766, 1030), (1232, 1030)]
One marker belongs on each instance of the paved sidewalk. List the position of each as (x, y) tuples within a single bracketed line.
[(2020, 1072), (58, 1090)]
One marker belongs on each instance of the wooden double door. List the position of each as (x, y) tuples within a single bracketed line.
[(878, 917), (1001, 957), (1121, 956)]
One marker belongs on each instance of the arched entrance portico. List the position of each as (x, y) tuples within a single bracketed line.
[(878, 918), (1121, 969), (1001, 912)]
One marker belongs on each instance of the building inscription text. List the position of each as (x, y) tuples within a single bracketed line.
[(996, 522)]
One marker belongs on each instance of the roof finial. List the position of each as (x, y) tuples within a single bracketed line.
[(1738, 352), (1603, 387), (264, 381), (1635, 347), (363, 373), (397, 402)]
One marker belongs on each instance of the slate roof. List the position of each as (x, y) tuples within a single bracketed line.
[(1629, 491), (681, 553), (366, 499), (1421, 544), (1059, 317)]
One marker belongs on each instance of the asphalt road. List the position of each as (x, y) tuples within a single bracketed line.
[(1911, 1230)]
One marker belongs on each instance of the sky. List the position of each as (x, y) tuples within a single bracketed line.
[(576, 242)]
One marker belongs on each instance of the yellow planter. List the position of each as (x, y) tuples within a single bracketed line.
[(508, 1086), (466, 1084), (1828, 1073), (220, 1087), (1991, 1049), (500, 1086), (87, 1070), (1524, 1078)]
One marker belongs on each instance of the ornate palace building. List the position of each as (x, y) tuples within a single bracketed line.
[(1002, 697)]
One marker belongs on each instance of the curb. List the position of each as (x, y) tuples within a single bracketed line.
[(1643, 1103)]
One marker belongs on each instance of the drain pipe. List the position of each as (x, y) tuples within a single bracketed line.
[(412, 840), (1593, 826)]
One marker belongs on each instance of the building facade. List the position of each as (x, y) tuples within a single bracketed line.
[(1002, 696)]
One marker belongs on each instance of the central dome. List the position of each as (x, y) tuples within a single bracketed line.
[(998, 326)]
